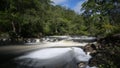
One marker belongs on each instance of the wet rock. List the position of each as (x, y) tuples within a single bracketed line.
[(107, 50), (90, 48), (81, 65)]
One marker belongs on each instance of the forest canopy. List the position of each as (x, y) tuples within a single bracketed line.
[(36, 18)]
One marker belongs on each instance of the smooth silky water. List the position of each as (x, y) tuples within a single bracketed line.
[(65, 57)]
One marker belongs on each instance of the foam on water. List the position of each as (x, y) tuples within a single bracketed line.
[(48, 53), (80, 55), (53, 57), (64, 43)]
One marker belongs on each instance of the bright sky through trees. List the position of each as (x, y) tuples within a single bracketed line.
[(72, 4)]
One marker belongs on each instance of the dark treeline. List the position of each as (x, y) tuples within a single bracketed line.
[(36, 18)]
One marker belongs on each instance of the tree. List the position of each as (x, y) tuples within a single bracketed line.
[(19, 14), (104, 10)]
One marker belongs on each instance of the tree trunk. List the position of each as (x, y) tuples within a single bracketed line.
[(13, 27)]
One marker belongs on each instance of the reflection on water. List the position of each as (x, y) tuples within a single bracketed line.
[(53, 58)]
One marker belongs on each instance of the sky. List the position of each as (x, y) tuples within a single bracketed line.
[(72, 4)]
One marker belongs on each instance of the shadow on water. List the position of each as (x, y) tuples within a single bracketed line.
[(6, 61), (30, 63), (34, 65)]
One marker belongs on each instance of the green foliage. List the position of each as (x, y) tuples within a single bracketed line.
[(36, 18), (101, 16), (110, 55), (33, 18)]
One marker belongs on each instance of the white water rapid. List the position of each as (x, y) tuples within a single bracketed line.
[(65, 57)]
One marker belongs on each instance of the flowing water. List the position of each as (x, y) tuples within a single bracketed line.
[(53, 58), (65, 57)]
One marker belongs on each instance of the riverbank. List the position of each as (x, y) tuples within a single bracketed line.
[(107, 52)]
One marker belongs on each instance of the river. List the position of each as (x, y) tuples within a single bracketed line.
[(57, 57)]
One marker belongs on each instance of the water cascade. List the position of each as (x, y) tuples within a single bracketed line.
[(65, 57)]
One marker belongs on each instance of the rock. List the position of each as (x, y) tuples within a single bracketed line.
[(90, 48), (82, 65), (106, 50)]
